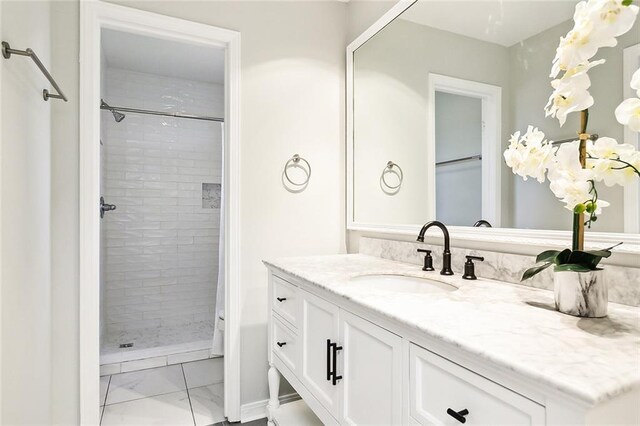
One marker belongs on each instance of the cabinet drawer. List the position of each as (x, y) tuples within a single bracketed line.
[(285, 300), (285, 344), (438, 385)]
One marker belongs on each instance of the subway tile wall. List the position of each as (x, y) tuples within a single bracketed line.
[(161, 244)]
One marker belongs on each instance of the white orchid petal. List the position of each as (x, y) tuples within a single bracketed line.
[(635, 81), (628, 113)]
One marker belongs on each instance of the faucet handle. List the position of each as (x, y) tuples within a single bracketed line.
[(428, 260), (469, 267)]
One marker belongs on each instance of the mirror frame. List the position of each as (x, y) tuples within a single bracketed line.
[(507, 236)]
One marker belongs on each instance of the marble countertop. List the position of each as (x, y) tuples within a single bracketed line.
[(513, 326)]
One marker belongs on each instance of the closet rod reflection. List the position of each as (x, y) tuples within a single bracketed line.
[(162, 113), (458, 160)]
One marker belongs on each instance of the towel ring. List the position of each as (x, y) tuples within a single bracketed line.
[(295, 162), (389, 169)]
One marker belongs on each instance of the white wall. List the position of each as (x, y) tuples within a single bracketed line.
[(64, 215), (363, 13), (292, 94), (161, 242), (26, 194)]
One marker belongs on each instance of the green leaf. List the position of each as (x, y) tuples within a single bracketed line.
[(534, 270), (547, 256), (571, 267), (599, 253), (627, 2), (585, 259), (562, 257)]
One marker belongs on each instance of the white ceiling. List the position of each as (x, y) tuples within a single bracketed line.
[(163, 57), (504, 22)]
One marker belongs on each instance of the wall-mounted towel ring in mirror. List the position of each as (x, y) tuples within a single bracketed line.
[(393, 168), (296, 161)]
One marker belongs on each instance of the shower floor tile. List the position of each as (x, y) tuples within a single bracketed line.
[(157, 341)]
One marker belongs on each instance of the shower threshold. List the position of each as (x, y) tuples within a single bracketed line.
[(156, 347)]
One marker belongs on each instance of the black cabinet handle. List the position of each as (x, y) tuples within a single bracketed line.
[(458, 415), (329, 344), (281, 344), (281, 299), (334, 373)]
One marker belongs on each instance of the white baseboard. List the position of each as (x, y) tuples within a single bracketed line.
[(258, 409)]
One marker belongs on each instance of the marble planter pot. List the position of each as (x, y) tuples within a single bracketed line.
[(582, 294)]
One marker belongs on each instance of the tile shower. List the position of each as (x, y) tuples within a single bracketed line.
[(160, 259)]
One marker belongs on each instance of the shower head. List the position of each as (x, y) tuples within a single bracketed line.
[(118, 116)]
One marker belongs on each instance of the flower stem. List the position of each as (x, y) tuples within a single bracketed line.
[(578, 219)]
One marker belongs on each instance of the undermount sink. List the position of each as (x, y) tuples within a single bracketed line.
[(400, 284)]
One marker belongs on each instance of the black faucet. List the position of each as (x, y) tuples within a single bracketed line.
[(446, 255), (482, 222)]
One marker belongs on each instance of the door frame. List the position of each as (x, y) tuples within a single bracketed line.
[(491, 99), (95, 15)]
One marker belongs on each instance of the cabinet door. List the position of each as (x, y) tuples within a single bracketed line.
[(319, 324), (371, 369)]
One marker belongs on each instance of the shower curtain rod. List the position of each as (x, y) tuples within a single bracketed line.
[(162, 113)]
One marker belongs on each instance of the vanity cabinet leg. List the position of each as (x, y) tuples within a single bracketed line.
[(274, 390)]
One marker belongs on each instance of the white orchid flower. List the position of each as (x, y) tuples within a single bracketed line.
[(611, 18), (631, 158), (571, 92), (572, 192), (513, 154), (597, 24), (563, 102), (606, 147), (568, 180), (529, 156), (628, 113), (608, 158), (604, 171)]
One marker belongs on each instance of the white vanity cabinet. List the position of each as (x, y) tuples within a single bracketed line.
[(351, 367), (354, 372)]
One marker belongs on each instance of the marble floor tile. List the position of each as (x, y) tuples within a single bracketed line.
[(145, 383), (204, 373), (163, 410), (104, 386), (207, 403)]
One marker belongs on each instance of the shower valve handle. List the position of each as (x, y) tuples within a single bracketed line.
[(104, 207)]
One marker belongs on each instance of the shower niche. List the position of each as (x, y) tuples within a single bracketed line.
[(162, 125)]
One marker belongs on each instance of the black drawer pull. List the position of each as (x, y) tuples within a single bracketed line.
[(458, 415), (281, 344), (281, 299), (334, 373), (329, 345)]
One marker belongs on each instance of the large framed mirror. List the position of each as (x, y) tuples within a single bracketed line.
[(434, 91)]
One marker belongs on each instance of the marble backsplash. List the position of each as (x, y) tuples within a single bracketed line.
[(624, 282)]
